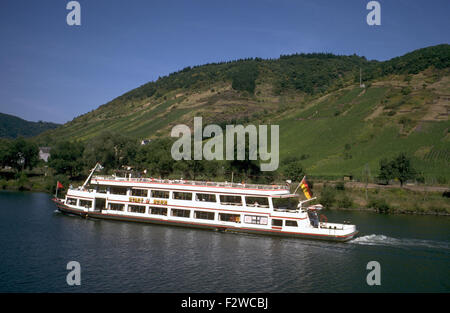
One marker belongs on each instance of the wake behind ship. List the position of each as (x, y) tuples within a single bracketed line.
[(223, 206)]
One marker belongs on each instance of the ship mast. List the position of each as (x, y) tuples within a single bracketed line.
[(97, 166)]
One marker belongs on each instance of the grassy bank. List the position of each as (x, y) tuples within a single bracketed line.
[(38, 184), (394, 200), (38, 180)]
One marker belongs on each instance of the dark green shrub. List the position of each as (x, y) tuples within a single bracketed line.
[(442, 180), (379, 204), (406, 91), (23, 183), (327, 196), (420, 179), (345, 202), (340, 185)]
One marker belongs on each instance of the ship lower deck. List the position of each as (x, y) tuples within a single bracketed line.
[(194, 224)]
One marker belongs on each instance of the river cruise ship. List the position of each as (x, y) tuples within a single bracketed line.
[(220, 206)]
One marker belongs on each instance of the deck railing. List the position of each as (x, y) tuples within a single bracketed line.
[(193, 182)]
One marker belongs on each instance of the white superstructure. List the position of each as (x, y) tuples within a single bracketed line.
[(220, 206)]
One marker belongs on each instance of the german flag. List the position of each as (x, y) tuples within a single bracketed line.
[(305, 188)]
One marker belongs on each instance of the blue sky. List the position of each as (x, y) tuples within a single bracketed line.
[(54, 72)]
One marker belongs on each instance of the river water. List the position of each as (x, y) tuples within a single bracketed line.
[(37, 242)]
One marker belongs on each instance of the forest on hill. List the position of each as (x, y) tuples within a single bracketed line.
[(12, 127)]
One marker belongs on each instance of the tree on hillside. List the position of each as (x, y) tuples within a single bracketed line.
[(67, 158), (246, 169), (293, 170), (5, 146), (403, 168), (244, 77), (19, 154), (111, 149), (386, 170), (400, 167), (189, 169), (156, 157)]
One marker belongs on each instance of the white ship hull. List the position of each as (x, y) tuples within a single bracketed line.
[(101, 201)]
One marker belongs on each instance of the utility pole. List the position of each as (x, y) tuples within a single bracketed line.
[(366, 176), (360, 79)]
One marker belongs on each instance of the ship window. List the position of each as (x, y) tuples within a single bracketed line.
[(254, 219), (139, 192), (102, 189), (116, 206), (230, 200), (257, 202), (277, 222), (281, 204), (204, 215), (160, 194), (118, 190), (182, 196), (100, 203), (71, 201), (86, 203), (158, 211), (136, 208), (230, 217), (291, 223), (181, 213), (205, 197)]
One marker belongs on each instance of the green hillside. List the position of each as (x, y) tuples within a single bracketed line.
[(325, 117), (355, 128), (13, 127)]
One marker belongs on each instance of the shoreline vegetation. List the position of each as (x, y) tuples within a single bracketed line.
[(341, 195)]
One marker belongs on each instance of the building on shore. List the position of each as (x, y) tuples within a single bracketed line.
[(44, 153)]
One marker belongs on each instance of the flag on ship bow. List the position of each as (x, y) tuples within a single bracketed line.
[(305, 188), (58, 186)]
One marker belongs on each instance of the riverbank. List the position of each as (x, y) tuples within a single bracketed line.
[(405, 212), (35, 182), (423, 200)]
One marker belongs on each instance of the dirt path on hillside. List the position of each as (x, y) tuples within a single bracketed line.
[(410, 187)]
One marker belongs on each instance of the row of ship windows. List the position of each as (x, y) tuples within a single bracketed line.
[(226, 217), (188, 196), (249, 219)]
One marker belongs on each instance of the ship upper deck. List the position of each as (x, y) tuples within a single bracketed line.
[(226, 187)]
